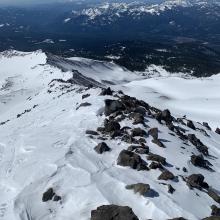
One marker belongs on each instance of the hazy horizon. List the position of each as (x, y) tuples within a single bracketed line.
[(31, 2)]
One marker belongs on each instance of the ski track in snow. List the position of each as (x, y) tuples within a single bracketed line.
[(47, 147)]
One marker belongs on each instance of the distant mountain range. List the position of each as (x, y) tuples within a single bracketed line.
[(136, 9)]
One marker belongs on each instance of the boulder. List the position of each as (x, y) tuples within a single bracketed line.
[(166, 116), (206, 125), (199, 161), (157, 158), (111, 126), (85, 96), (48, 195), (138, 118), (171, 126), (136, 132), (91, 132), (102, 147), (158, 143), (178, 218), (113, 212), (101, 129), (153, 132), (107, 91), (215, 210), (132, 103), (197, 181), (140, 110), (142, 140), (171, 190), (214, 195), (217, 130), (185, 170), (191, 125), (166, 175), (56, 198), (131, 159), (155, 165), (212, 218), (198, 144), (140, 188), (129, 139), (142, 150), (112, 106), (181, 135)]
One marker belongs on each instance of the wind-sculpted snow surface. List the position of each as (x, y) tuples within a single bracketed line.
[(49, 168)]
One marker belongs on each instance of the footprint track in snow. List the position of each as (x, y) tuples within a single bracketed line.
[(3, 209), (2, 150)]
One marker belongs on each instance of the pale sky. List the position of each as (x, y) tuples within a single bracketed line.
[(21, 2)]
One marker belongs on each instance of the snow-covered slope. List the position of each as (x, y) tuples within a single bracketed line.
[(43, 140)]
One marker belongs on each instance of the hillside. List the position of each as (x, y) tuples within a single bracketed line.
[(69, 145)]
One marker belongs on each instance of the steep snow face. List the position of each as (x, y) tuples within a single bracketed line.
[(43, 143)]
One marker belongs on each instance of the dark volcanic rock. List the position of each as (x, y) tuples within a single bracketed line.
[(180, 134), (132, 103), (138, 118), (171, 190), (171, 126), (140, 110), (205, 124), (178, 218), (131, 159), (142, 141), (85, 104), (138, 132), (215, 210), (198, 144), (129, 139), (153, 132), (212, 218), (107, 91), (91, 132), (112, 106), (217, 130), (214, 195), (113, 212), (155, 165), (141, 188), (185, 170), (191, 125), (85, 96), (199, 161), (166, 175), (111, 126), (158, 143), (48, 195), (102, 147), (197, 181), (56, 198), (165, 116), (157, 158), (142, 150)]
